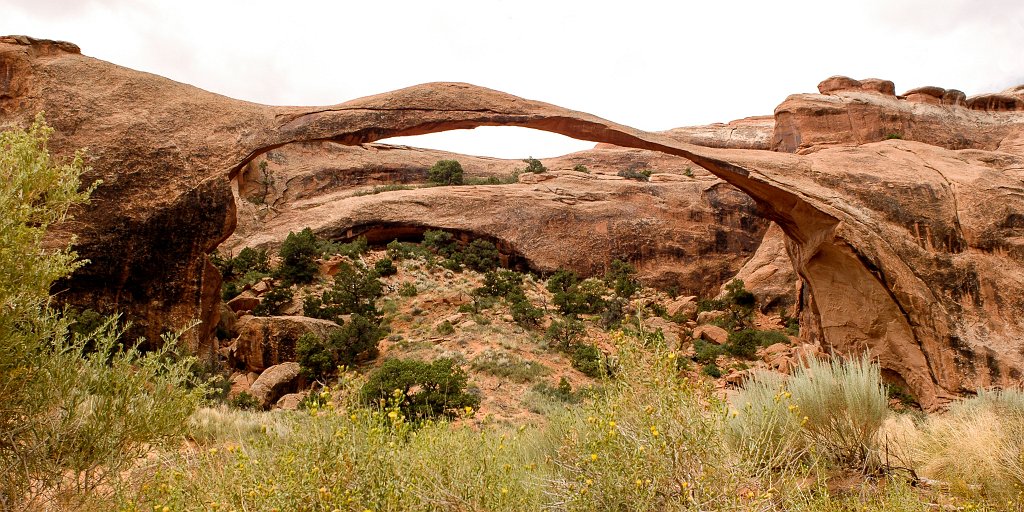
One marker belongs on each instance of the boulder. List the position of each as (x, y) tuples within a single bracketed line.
[(244, 302), (685, 306), (711, 334), (705, 317), (274, 382), (291, 401), (669, 329), (266, 341)]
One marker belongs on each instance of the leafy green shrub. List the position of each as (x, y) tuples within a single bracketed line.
[(351, 250), (712, 370), (746, 342), (427, 390), (562, 281), (638, 175), (587, 359), (524, 312), (445, 172), (737, 295), (385, 267), (355, 290), (613, 313), (533, 165), (706, 353), (407, 289), (581, 168), (481, 256), (445, 328), (501, 283), (398, 250), (441, 242), (244, 402), (620, 278), (562, 392), (688, 172), (564, 333), (273, 301), (248, 260), (75, 410), (356, 341), (298, 257)]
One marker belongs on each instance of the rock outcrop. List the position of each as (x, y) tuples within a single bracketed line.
[(684, 230), (912, 249), (275, 382), (264, 341), (769, 273)]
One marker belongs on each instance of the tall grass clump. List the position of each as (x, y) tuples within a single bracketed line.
[(977, 446), (827, 411), (75, 409)]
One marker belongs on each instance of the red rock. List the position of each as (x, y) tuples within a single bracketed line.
[(711, 333)]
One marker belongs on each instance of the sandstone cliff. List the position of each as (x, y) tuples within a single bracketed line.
[(911, 250)]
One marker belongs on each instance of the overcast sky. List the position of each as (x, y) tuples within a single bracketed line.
[(650, 64)]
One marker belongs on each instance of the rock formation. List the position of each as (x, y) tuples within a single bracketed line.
[(684, 230), (912, 249)]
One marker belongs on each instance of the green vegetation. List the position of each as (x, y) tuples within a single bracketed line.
[(745, 343), (356, 341), (581, 168), (274, 301), (385, 267), (422, 390), (587, 358), (298, 258), (620, 278), (75, 410), (445, 172), (565, 332), (509, 366), (355, 291), (407, 290), (638, 175), (533, 165)]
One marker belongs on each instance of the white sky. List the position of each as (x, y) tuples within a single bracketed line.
[(650, 64)]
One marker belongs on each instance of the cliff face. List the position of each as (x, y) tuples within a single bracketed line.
[(684, 229), (913, 250)]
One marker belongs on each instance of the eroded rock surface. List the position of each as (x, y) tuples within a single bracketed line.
[(912, 249), (684, 230)]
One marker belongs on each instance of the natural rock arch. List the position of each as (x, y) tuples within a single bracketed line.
[(880, 234)]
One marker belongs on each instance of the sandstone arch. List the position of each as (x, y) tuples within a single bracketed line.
[(911, 250)]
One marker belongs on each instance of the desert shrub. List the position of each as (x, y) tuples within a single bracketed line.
[(524, 312), (711, 305), (273, 301), (407, 289), (746, 342), (351, 250), (737, 295), (356, 341), (565, 332), (244, 402), (501, 283), (75, 410), (620, 278), (792, 324), (445, 172), (587, 359), (445, 328), (427, 390), (533, 165), (385, 267), (399, 250), (688, 172), (583, 298), (581, 168), (380, 189), (248, 260), (613, 313), (355, 290), (763, 427), (480, 255), (508, 366), (638, 175), (298, 257), (843, 404), (706, 353), (562, 281), (441, 242), (712, 370)]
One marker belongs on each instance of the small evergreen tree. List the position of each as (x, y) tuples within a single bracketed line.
[(445, 172)]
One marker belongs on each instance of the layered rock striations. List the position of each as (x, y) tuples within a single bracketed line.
[(911, 248)]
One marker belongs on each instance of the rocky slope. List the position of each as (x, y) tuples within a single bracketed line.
[(908, 249), (685, 230)]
